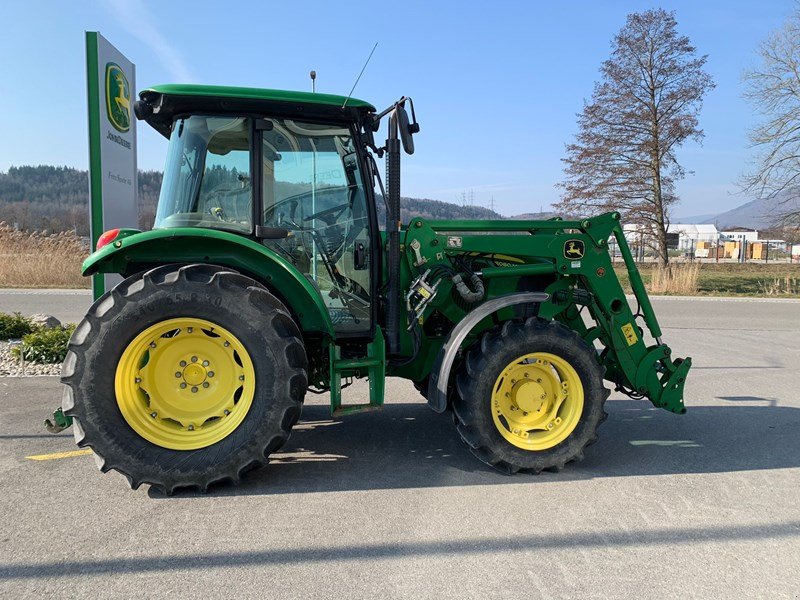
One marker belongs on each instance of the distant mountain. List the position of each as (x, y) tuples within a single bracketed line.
[(434, 209), (756, 214), (694, 220), (537, 216)]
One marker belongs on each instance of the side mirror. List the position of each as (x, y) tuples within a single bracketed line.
[(406, 136)]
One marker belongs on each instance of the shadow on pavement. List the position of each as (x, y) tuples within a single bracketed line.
[(408, 446), (33, 436), (374, 551)]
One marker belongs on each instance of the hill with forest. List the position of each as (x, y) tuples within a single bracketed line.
[(435, 209), (57, 199)]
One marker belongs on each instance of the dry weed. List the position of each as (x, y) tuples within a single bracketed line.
[(780, 286), (678, 279), (40, 259)]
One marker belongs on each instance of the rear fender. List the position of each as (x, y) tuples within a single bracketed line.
[(192, 245)]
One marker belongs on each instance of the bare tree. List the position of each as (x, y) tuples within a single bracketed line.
[(644, 107), (774, 89)]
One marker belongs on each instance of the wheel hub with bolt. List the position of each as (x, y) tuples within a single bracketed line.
[(194, 374), (184, 383), (537, 401)]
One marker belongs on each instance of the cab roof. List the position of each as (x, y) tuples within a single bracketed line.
[(161, 104), (221, 91)]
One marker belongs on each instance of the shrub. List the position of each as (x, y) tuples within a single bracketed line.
[(45, 345), (14, 326)]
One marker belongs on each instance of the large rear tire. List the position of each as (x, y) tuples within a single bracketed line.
[(530, 397), (184, 376)]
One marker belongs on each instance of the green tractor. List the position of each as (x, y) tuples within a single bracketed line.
[(267, 275)]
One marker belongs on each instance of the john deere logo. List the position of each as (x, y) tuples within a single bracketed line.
[(574, 249), (118, 98)]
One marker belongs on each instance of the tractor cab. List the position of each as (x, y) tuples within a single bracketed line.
[(291, 178)]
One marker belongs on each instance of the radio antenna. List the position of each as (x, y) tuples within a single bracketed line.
[(359, 76)]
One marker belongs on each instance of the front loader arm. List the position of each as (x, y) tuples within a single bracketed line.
[(573, 257), (644, 370), (638, 369)]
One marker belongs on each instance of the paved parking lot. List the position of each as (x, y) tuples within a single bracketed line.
[(68, 306), (391, 504)]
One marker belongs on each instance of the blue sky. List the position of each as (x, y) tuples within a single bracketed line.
[(496, 84)]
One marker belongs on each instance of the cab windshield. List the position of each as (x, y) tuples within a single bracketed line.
[(207, 175)]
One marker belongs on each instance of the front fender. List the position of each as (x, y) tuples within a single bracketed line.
[(193, 245), (440, 373)]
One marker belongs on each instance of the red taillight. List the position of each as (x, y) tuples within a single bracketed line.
[(108, 237)]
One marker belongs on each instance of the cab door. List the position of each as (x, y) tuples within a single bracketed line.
[(312, 186)]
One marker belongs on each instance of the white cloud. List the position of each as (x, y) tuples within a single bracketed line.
[(136, 19)]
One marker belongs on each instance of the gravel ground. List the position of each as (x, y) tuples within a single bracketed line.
[(10, 365)]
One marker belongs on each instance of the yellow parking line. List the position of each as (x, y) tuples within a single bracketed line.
[(56, 455)]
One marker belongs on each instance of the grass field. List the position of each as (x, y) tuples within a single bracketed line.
[(734, 279)]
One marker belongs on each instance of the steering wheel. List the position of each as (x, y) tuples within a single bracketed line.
[(334, 212)]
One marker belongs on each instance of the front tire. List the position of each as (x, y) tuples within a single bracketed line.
[(530, 397), (184, 376)]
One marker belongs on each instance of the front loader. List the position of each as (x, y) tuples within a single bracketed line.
[(267, 275)]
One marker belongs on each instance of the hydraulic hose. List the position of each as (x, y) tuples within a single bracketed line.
[(468, 294)]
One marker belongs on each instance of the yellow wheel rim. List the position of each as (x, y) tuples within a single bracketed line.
[(185, 383), (537, 401)]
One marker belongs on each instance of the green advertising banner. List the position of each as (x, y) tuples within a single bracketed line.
[(111, 85)]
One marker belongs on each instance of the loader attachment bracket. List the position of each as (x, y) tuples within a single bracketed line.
[(672, 388), (661, 379)]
